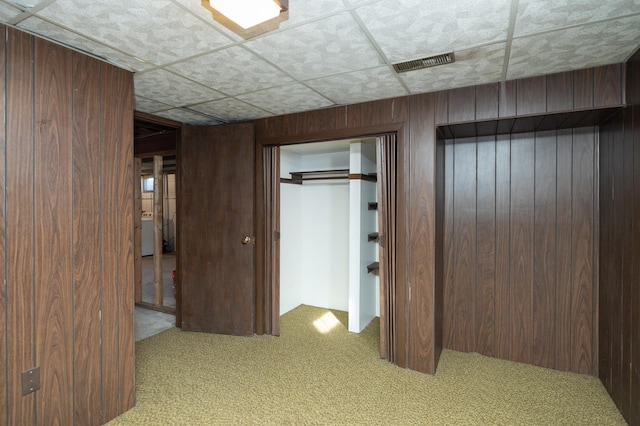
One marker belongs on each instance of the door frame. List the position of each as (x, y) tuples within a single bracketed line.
[(267, 211)]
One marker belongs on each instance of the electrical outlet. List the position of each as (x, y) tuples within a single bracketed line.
[(30, 380)]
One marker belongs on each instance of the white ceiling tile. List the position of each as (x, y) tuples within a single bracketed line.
[(535, 16), (8, 12), (166, 87), (150, 106), (232, 71), (231, 109), (157, 31), (187, 116), (574, 48), (287, 99), (359, 86), (409, 29), (305, 10), (474, 66), (325, 47), (27, 4), (70, 38)]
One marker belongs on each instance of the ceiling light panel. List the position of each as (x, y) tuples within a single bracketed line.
[(247, 13)]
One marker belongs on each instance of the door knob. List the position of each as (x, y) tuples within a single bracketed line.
[(246, 240)]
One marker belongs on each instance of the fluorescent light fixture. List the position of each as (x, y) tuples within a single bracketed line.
[(247, 13)]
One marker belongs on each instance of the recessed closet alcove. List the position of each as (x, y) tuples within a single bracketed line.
[(328, 228)]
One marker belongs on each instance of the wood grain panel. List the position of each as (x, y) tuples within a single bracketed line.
[(560, 91), (109, 242), (3, 253), (521, 248), (422, 231), (19, 226), (507, 98), (462, 104), (544, 256), (442, 107), (487, 104), (634, 415), (86, 240), (486, 245), (582, 245), (448, 246), (464, 216), (531, 95), (53, 231), (583, 88), (315, 121), (607, 85), (124, 123), (564, 259), (503, 237)]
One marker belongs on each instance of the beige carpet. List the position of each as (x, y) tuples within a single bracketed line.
[(308, 377)]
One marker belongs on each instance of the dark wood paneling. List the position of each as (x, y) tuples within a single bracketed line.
[(462, 104), (486, 246), (607, 85), (560, 92), (544, 272), (20, 214), (503, 236), (583, 88), (442, 107), (3, 285), (487, 101), (53, 231), (582, 246), (125, 252), (521, 248), (634, 415), (507, 98), (448, 246), (315, 121), (109, 243), (564, 261), (421, 228), (531, 95), (86, 240), (464, 246)]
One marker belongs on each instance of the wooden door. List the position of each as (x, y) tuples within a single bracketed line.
[(216, 243)]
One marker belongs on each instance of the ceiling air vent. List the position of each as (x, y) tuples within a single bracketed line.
[(431, 61)]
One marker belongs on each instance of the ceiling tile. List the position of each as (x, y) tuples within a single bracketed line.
[(305, 10), (574, 48), (198, 8), (188, 117), (535, 16), (232, 71), (359, 86), (287, 99), (7, 12), (318, 49), (231, 109), (157, 31), (408, 29), (27, 4), (471, 67), (163, 86), (70, 38), (150, 106)]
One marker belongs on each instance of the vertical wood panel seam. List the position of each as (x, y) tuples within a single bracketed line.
[(33, 208), (475, 275), (117, 237), (73, 241), (495, 241), (4, 237), (555, 272), (571, 269), (101, 236), (533, 252)]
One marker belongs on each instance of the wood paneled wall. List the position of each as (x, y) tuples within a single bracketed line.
[(520, 245), (67, 296), (420, 201), (619, 366)]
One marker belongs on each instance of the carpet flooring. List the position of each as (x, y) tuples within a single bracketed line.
[(317, 372)]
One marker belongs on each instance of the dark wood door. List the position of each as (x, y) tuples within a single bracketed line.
[(216, 243)]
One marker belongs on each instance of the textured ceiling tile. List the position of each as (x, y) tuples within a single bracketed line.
[(359, 86), (70, 38), (325, 47), (147, 105), (409, 29), (163, 86), (27, 4), (7, 12), (231, 109), (287, 99), (305, 10), (232, 71), (157, 31), (542, 15), (574, 48), (186, 116), (472, 67)]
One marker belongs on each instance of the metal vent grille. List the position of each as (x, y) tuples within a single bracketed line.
[(431, 61)]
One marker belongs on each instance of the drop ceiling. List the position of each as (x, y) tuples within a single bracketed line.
[(192, 69)]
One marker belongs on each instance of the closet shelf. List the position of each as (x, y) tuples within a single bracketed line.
[(373, 236), (299, 177), (373, 267)]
